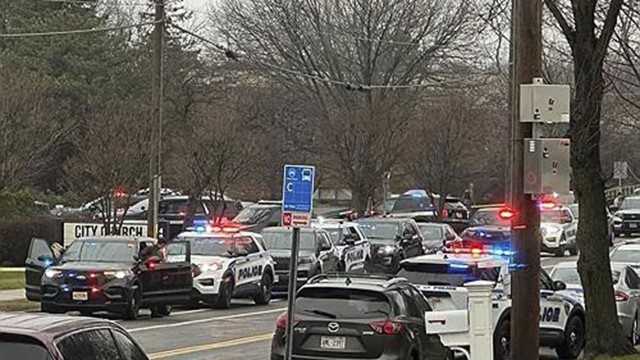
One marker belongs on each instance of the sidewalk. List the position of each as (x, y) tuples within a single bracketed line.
[(12, 295)]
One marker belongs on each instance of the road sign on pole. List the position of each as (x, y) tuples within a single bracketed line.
[(297, 205), (297, 195), (620, 170)]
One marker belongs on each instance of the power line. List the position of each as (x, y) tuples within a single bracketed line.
[(348, 85), (74, 32)]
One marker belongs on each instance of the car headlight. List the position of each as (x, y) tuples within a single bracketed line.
[(209, 267), (51, 273), (120, 274), (386, 250), (551, 230)]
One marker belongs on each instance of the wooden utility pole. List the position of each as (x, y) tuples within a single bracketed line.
[(157, 94), (526, 52)]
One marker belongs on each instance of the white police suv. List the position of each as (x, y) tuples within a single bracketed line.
[(228, 263), (441, 278), (352, 245)]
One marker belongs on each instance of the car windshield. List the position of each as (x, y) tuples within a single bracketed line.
[(342, 303), (253, 215), (625, 256), (217, 246), (336, 235), (566, 275), (95, 250), (453, 274), (631, 203), (411, 204), (281, 240), (376, 231), (488, 217), (22, 347), (556, 216), (431, 232)]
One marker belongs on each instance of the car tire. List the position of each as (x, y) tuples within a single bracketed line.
[(502, 340), (263, 297), (223, 300), (574, 336), (50, 308), (573, 251), (133, 306), (158, 311)]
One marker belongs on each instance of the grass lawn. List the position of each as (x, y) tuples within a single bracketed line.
[(11, 280), (19, 305)]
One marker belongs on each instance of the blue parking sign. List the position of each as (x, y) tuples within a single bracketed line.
[(297, 189)]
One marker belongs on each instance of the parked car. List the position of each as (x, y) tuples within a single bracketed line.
[(32, 336), (436, 236), (354, 249), (359, 316), (629, 213), (258, 216), (626, 287), (317, 254)]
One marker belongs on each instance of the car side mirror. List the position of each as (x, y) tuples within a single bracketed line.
[(559, 285), (45, 259)]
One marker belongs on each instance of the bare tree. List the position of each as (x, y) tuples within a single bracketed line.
[(588, 29), (346, 56), (28, 136), (112, 153)]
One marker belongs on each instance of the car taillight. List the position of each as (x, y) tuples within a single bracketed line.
[(386, 327), (621, 296), (282, 320)]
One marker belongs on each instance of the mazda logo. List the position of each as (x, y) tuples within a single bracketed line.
[(333, 327)]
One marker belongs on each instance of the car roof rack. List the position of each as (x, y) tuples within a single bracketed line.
[(389, 279)]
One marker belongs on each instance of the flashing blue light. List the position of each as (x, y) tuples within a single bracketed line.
[(65, 288), (200, 228), (47, 263), (459, 266), (416, 193)]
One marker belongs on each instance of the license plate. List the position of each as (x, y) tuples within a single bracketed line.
[(333, 342), (80, 296), (633, 225)]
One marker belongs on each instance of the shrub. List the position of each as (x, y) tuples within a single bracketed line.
[(16, 234)]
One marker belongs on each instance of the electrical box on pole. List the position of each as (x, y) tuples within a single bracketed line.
[(543, 103), (546, 166)]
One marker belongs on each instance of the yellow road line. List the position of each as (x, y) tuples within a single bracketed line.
[(212, 346)]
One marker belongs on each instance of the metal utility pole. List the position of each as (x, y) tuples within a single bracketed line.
[(526, 53), (157, 95)]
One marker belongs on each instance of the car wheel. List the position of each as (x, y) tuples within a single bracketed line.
[(223, 301), (158, 311), (502, 340), (635, 332), (559, 252), (50, 308), (263, 297), (573, 339), (573, 251), (133, 306)]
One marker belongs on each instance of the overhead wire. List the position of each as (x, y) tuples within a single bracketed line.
[(75, 32)]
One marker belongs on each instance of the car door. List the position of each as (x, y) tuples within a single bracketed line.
[(249, 265), (354, 254), (129, 349), (39, 257), (169, 281), (632, 284), (327, 253), (552, 314), (95, 344)]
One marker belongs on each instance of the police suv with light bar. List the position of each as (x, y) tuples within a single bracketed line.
[(441, 277), (352, 245), (228, 263)]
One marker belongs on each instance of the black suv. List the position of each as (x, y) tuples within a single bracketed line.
[(359, 316), (104, 274), (392, 240), (316, 254)]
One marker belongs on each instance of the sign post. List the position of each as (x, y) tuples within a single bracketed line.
[(620, 171), (297, 205)]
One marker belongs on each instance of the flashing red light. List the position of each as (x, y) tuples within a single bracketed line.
[(386, 327), (152, 265), (95, 290), (547, 205), (506, 214)]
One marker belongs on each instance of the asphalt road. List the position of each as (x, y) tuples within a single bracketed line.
[(240, 333)]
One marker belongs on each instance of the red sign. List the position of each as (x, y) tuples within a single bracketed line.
[(286, 219), (296, 219)]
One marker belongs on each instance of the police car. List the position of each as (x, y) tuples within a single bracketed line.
[(558, 227), (228, 263), (441, 278), (351, 244)]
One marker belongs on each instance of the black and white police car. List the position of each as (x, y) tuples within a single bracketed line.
[(228, 263), (441, 278), (352, 245)]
